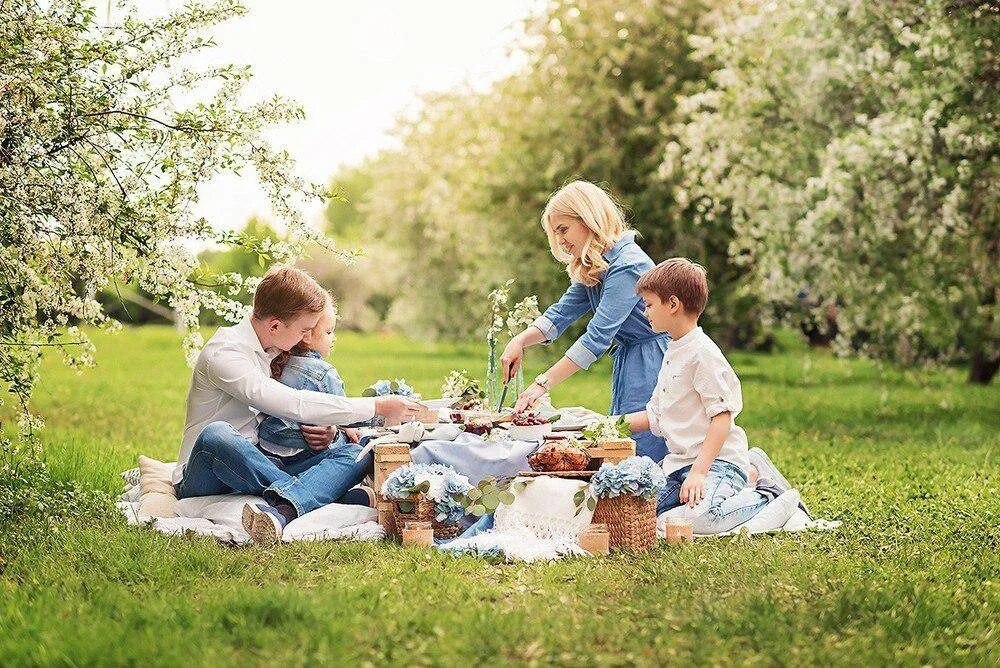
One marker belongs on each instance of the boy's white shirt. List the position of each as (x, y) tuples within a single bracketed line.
[(232, 383), (695, 384)]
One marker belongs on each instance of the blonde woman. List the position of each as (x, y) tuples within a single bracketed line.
[(587, 232)]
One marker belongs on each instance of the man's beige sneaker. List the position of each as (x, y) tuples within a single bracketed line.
[(264, 528)]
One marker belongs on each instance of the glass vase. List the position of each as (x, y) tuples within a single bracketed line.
[(493, 385)]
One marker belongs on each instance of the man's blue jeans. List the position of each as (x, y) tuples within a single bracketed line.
[(729, 501), (224, 461)]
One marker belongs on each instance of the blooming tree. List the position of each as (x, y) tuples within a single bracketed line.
[(105, 136), (459, 200), (854, 147)]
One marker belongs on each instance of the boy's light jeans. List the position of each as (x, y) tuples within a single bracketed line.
[(728, 503)]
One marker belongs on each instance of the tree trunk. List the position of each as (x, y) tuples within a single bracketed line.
[(982, 367)]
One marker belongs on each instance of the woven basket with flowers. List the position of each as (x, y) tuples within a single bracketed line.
[(626, 501), (426, 493)]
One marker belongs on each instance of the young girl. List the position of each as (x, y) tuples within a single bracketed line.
[(303, 368), (587, 232)]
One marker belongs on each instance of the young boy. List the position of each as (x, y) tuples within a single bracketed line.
[(232, 391), (694, 405)]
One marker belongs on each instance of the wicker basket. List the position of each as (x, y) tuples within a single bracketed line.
[(631, 521), (423, 511)]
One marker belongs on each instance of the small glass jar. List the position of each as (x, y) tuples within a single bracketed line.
[(418, 534), (595, 539), (679, 530)]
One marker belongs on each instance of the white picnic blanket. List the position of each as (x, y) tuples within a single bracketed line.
[(221, 517)]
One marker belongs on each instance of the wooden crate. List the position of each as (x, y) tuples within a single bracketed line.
[(612, 452), (388, 458)]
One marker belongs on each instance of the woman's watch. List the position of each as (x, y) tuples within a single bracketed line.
[(543, 381)]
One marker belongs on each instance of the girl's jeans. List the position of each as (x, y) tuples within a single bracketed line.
[(728, 502), (223, 461)]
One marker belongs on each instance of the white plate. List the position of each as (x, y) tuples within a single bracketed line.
[(528, 432)]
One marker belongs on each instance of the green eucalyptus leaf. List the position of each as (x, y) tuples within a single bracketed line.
[(475, 493), (368, 393), (478, 510), (591, 503), (507, 498)]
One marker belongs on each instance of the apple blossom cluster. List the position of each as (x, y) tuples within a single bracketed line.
[(854, 148), (105, 137)]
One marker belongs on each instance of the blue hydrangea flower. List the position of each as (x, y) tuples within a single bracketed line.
[(383, 387), (637, 476), (446, 485)]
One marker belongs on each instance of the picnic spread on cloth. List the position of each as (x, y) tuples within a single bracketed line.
[(517, 512)]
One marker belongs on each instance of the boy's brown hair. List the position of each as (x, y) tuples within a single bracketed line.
[(286, 293), (679, 277)]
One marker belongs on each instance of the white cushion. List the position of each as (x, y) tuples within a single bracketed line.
[(157, 497), (325, 518)]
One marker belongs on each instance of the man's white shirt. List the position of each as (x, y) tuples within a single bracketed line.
[(232, 383)]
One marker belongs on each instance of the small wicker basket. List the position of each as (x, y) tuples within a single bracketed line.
[(423, 511), (631, 521)]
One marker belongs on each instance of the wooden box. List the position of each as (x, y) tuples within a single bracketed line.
[(388, 458), (612, 452)]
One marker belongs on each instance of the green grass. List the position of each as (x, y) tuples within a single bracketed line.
[(906, 460)]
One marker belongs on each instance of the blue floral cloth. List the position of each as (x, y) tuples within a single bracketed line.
[(618, 320)]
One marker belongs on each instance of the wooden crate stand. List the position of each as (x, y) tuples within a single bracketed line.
[(388, 458), (612, 452)]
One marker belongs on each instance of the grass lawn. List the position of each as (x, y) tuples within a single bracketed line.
[(906, 460)]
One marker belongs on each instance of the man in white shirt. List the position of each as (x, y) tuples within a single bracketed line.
[(232, 391)]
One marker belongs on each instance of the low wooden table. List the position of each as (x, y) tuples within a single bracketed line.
[(391, 456)]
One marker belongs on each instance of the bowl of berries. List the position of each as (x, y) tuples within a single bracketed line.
[(480, 426), (530, 427)]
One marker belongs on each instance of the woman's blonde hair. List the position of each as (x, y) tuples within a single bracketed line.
[(602, 215)]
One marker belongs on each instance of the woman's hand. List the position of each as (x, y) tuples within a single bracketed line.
[(511, 359), (526, 399), (693, 489)]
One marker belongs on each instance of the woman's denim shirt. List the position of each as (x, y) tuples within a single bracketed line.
[(618, 310)]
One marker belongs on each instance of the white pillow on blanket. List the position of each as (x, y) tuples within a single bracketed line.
[(156, 491), (316, 524)]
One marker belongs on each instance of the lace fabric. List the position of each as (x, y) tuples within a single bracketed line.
[(542, 523)]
